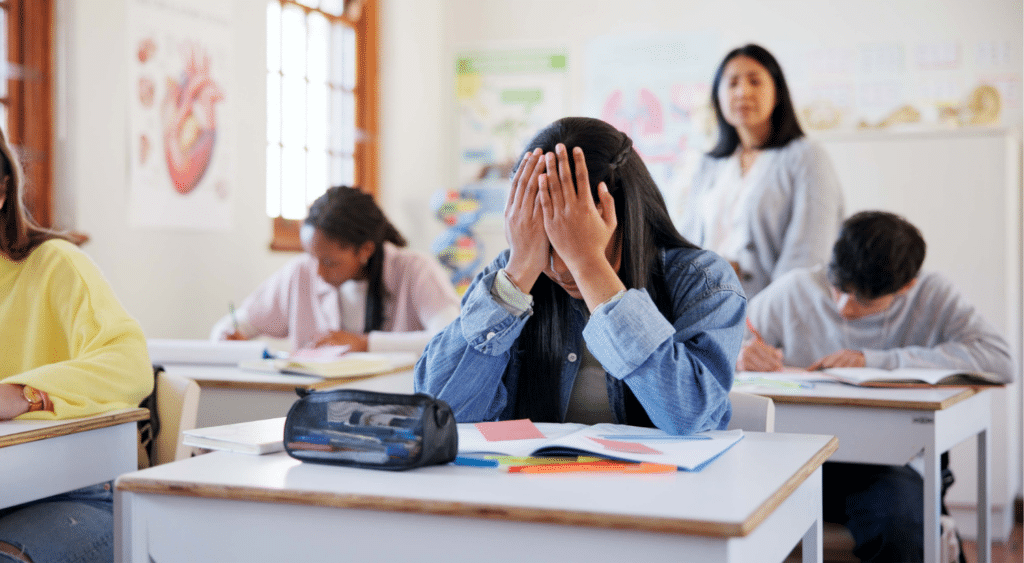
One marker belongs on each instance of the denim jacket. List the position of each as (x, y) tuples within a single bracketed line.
[(679, 369)]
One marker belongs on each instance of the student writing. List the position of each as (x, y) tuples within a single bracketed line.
[(356, 285), (873, 306), (600, 310)]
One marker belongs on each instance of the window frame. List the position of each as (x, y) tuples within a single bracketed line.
[(29, 101), (367, 160)]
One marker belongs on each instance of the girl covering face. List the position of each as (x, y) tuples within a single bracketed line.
[(599, 311)]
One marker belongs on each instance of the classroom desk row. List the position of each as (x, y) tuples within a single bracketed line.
[(872, 426)]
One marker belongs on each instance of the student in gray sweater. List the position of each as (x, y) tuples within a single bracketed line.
[(872, 306)]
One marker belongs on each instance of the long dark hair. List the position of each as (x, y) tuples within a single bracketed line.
[(19, 233), (644, 229), (351, 218), (784, 124)]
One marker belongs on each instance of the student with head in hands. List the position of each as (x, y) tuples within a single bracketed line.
[(67, 349), (357, 285), (872, 306), (765, 197), (599, 311)]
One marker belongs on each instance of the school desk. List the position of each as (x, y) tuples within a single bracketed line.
[(229, 394), (754, 503), (41, 458), (891, 426)]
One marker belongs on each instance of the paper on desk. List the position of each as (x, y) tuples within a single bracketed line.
[(576, 439)]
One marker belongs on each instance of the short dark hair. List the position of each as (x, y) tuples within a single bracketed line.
[(877, 254), (784, 124)]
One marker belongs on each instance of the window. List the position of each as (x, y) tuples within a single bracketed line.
[(26, 96), (321, 105)]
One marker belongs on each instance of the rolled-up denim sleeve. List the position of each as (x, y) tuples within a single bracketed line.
[(463, 365), (680, 371)]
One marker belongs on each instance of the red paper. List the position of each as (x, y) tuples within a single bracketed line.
[(522, 429), (628, 447)]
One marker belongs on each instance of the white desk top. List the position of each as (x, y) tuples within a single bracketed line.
[(14, 432), (783, 389), (729, 498)]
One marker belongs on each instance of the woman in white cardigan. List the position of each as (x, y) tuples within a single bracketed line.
[(765, 197)]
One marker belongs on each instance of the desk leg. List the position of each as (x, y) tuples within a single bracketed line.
[(984, 540), (811, 544), (932, 506)]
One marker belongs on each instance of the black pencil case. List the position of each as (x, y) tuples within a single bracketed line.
[(369, 429)]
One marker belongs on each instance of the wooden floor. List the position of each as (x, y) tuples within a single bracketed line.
[(1008, 552)]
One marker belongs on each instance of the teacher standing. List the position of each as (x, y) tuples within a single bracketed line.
[(765, 198)]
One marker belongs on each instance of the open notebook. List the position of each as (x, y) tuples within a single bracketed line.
[(351, 364), (612, 441), (911, 377)]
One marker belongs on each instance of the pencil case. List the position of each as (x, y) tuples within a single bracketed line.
[(368, 429)]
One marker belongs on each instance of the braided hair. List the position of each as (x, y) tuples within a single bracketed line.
[(351, 218), (644, 229)]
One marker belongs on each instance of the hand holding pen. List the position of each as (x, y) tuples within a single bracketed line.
[(237, 335), (757, 355)]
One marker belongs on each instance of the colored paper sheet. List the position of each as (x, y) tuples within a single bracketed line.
[(628, 447), (522, 429)]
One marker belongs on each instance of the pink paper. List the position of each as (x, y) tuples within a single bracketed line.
[(522, 429), (627, 447)]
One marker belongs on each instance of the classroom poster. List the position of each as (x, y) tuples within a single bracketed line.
[(656, 89), (181, 92), (503, 98)]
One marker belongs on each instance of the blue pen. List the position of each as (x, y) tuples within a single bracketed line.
[(654, 437), (475, 461)]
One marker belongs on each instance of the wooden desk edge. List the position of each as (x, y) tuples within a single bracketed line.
[(327, 383), (773, 502), (128, 483), (73, 425), (965, 393)]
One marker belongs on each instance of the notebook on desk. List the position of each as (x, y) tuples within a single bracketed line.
[(611, 441), (911, 377), (256, 437), (349, 365)]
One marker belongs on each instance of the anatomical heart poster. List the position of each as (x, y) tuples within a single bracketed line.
[(180, 124)]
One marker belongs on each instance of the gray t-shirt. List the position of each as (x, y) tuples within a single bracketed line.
[(931, 325)]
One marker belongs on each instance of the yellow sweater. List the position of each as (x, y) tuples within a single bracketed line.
[(62, 330)]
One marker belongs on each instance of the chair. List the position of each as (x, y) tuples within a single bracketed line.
[(177, 406), (752, 412)]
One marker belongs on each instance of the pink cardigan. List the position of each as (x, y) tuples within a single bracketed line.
[(295, 303)]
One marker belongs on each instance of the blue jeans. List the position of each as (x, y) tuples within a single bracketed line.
[(881, 505), (71, 527)]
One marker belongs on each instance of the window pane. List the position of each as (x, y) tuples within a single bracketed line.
[(273, 108), (293, 112), (348, 122), (336, 133), (337, 53), (335, 170), (349, 68), (348, 171), (273, 36), (273, 181), (316, 179), (333, 7), (316, 58), (293, 41), (293, 180), (317, 118)]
